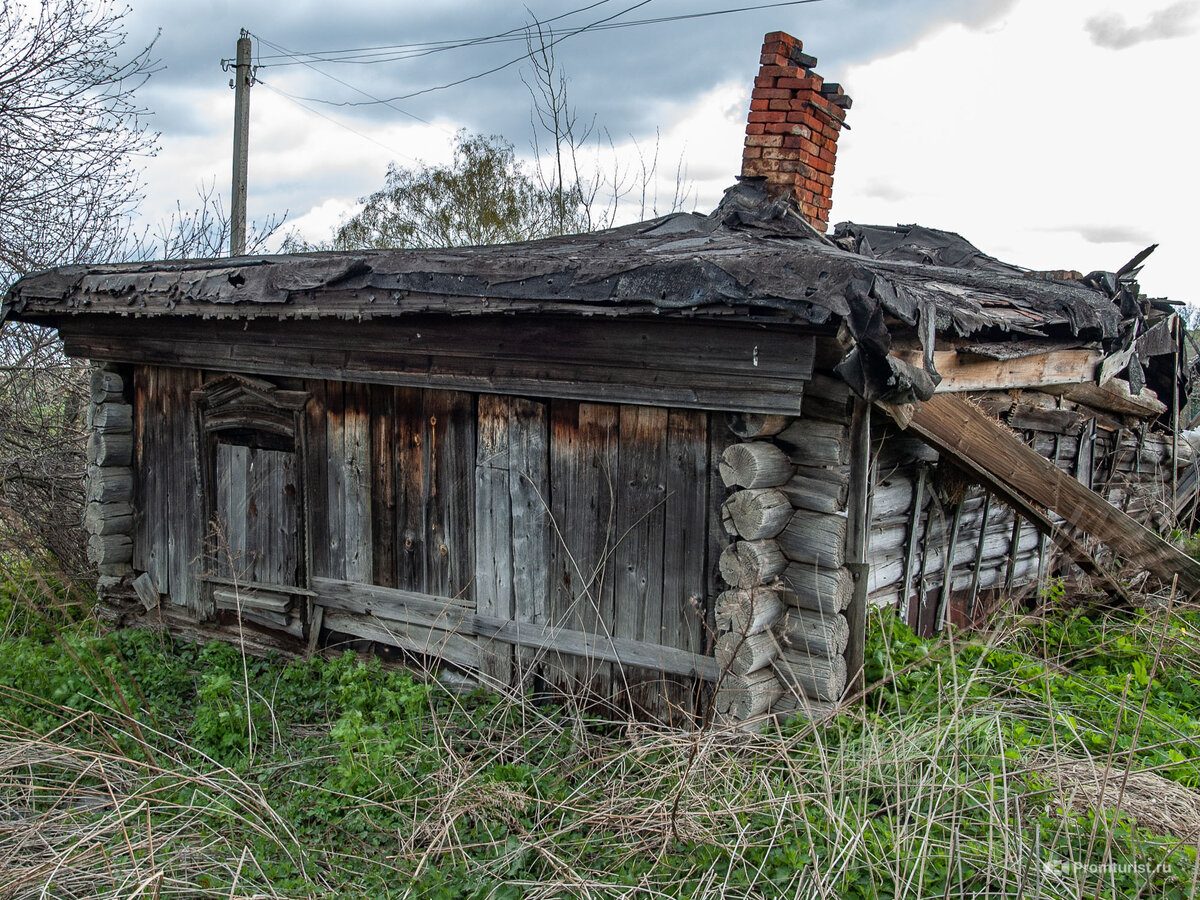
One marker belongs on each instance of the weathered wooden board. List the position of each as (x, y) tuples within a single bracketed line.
[(956, 427), (583, 472), (493, 534), (726, 366), (638, 545)]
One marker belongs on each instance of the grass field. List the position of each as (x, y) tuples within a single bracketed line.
[(1055, 756)]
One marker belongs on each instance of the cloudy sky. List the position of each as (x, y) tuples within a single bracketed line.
[(1051, 133)]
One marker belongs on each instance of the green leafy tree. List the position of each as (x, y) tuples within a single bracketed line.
[(482, 197)]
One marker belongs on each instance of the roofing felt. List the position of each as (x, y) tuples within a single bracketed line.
[(751, 257)]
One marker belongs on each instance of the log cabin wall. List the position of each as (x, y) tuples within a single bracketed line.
[(530, 541), (782, 629), (925, 518)]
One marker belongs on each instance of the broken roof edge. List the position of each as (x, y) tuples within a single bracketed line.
[(752, 258)]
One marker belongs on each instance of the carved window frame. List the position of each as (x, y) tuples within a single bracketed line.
[(256, 413)]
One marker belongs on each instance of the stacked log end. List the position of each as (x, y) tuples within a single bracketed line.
[(108, 515), (781, 635)]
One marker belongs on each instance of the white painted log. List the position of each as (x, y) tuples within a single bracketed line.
[(745, 697), (756, 513), (747, 564), (103, 549), (817, 677), (754, 464), (106, 450), (816, 588), (105, 386), (108, 518), (811, 537), (755, 425), (748, 611), (113, 418), (742, 654), (814, 633)]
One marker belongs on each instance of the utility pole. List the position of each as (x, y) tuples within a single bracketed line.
[(243, 77)]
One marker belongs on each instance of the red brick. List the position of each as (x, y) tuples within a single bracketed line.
[(820, 178), (764, 140), (755, 128), (835, 112), (764, 166), (766, 117), (793, 140), (755, 152), (775, 59), (781, 105), (784, 37), (764, 81), (828, 154), (779, 71), (795, 83), (770, 94), (820, 164), (786, 128), (763, 105)]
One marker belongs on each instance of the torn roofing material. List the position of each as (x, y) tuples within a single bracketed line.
[(752, 258)]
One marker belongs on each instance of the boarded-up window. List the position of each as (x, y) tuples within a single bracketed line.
[(255, 533)]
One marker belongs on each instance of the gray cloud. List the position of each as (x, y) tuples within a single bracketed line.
[(1114, 33), (883, 190), (1108, 234)]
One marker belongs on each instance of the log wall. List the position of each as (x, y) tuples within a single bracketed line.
[(942, 549)]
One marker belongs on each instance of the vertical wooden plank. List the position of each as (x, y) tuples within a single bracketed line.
[(493, 532), (233, 540), (316, 480), (408, 410), (335, 449), (184, 496), (150, 547), (356, 518), (221, 501), (383, 486), (450, 548), (288, 528), (684, 544), (583, 468), (638, 588), (529, 492)]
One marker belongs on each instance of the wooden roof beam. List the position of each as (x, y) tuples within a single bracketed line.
[(973, 439)]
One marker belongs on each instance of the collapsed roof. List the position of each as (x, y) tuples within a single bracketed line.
[(753, 258)]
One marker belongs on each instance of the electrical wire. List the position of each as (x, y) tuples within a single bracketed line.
[(416, 49)]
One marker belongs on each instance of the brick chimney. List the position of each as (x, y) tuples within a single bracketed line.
[(792, 131)]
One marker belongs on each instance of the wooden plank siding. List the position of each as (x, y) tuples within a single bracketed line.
[(696, 365), (576, 534)]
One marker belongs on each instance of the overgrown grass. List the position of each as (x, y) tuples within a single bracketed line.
[(1054, 757)]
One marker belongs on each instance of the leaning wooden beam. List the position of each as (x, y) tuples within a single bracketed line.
[(965, 433), (1115, 396)]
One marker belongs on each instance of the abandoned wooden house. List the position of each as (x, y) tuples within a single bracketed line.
[(630, 465)]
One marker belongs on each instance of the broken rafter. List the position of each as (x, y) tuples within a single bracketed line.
[(1026, 480)]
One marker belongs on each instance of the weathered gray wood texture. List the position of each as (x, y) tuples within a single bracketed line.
[(726, 366), (169, 528), (577, 535)]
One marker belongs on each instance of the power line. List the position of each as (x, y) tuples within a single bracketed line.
[(416, 49), (605, 24), (286, 96), (344, 83), (492, 70)]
